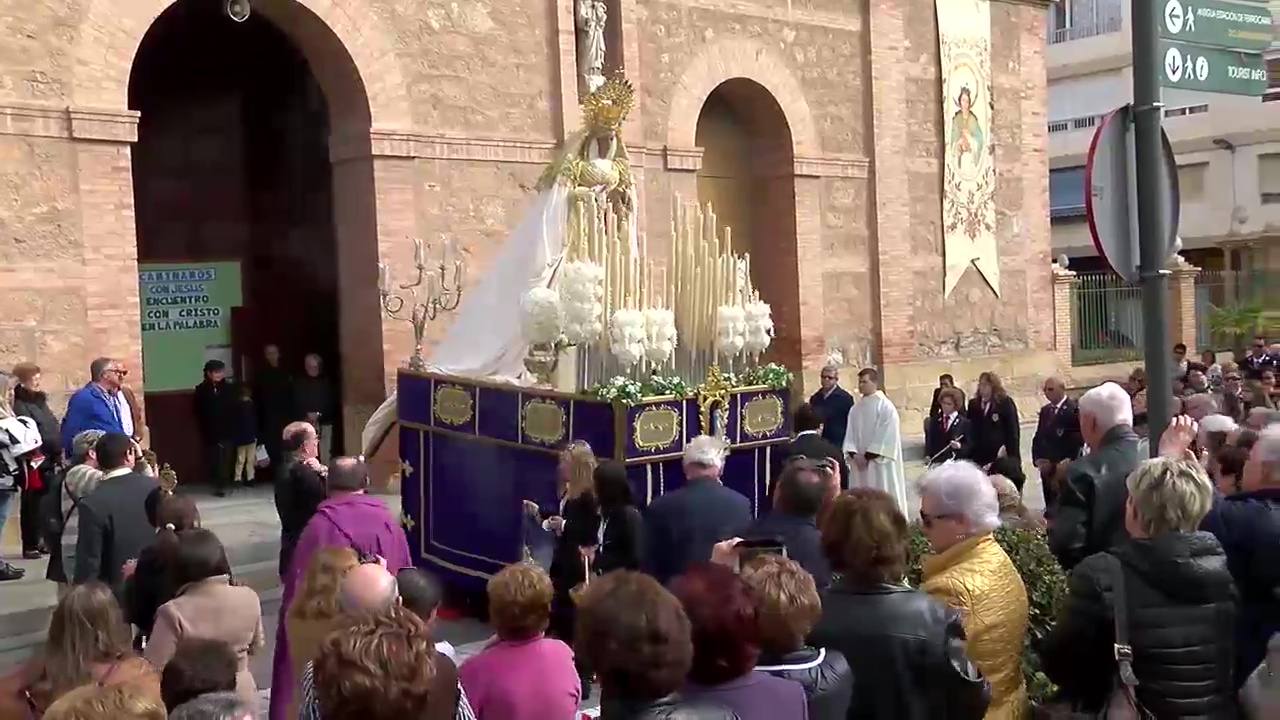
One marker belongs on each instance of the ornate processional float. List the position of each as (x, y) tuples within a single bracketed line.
[(578, 332)]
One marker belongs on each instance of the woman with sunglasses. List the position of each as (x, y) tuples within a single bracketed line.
[(968, 570)]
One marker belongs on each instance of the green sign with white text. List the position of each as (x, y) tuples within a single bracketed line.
[(186, 320), (1239, 26), (1192, 67)]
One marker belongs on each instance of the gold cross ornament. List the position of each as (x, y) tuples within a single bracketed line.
[(405, 520), (405, 468)]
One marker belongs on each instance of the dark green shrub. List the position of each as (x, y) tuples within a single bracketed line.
[(1046, 585)]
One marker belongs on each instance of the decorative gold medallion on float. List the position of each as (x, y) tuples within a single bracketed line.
[(713, 404), (543, 421), (453, 405), (762, 416), (656, 428)]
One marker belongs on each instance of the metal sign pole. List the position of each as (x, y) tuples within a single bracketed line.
[(1148, 113)]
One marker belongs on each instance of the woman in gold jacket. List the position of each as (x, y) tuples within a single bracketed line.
[(972, 573)]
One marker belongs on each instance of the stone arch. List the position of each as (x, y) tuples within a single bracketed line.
[(352, 58), (739, 58)]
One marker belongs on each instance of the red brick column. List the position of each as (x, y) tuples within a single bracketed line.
[(1063, 317), (1182, 303)]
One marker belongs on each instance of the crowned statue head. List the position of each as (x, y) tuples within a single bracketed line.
[(605, 109)]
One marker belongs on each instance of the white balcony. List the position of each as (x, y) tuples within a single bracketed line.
[(1087, 36)]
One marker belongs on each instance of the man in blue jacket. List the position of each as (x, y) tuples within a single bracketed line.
[(1247, 524), (95, 406)]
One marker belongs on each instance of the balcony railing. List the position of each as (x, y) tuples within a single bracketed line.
[(1078, 20)]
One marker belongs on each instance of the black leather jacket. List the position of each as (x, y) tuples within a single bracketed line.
[(671, 707), (1089, 516), (824, 674), (906, 651), (1181, 603)]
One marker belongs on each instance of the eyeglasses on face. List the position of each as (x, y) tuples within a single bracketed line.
[(928, 520)]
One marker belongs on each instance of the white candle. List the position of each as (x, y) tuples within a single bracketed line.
[(419, 254), (450, 250), (384, 277), (433, 286)]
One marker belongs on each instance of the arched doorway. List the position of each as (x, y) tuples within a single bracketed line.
[(748, 176), (235, 208)]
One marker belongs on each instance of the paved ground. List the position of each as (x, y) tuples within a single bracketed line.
[(247, 523)]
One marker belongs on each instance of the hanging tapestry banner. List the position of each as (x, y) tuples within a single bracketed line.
[(969, 171)]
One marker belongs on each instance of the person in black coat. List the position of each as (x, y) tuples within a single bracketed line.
[(683, 526), (149, 586), (30, 401), (299, 488), (113, 525), (214, 410), (1089, 515), (620, 521), (809, 442), (793, 521), (907, 650), (1057, 436), (949, 435), (993, 419), (833, 404), (1179, 598), (789, 606), (273, 395)]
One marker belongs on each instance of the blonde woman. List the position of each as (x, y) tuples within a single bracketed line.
[(121, 701), (316, 610), (969, 571)]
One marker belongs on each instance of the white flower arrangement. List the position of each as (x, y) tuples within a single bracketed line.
[(731, 329), (581, 287), (660, 335), (758, 317), (541, 317), (627, 338)]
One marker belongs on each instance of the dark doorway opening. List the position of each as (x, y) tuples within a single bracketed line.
[(232, 165)]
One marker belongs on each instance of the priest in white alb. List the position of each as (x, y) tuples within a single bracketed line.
[(872, 441)]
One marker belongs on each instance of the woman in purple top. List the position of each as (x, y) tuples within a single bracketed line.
[(521, 675), (726, 644)]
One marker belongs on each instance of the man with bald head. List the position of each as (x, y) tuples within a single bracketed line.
[(368, 587), (1057, 437), (347, 517)]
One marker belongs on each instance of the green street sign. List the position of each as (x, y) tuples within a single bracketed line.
[(1192, 67), (1216, 23)]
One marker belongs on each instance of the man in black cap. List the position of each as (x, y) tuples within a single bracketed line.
[(213, 404)]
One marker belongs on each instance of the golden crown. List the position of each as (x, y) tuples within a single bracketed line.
[(609, 105)]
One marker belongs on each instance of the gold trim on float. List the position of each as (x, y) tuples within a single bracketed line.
[(543, 421), (427, 497), (713, 391), (673, 456), (452, 405), (656, 428), (472, 382), (457, 568), (761, 415)]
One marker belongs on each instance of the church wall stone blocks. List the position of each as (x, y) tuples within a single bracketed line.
[(442, 114)]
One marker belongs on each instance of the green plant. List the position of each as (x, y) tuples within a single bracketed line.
[(666, 385), (1231, 325), (1046, 585), (619, 389), (772, 376)]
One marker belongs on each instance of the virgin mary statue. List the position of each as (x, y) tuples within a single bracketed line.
[(485, 339)]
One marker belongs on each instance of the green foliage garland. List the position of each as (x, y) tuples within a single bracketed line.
[(1046, 585), (772, 376)]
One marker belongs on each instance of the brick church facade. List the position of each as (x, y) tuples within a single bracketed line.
[(439, 119)]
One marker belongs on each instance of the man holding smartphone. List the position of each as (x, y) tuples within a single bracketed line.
[(791, 528)]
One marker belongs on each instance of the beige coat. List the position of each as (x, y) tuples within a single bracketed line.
[(212, 609)]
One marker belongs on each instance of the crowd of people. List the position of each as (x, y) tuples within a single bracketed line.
[(691, 607)]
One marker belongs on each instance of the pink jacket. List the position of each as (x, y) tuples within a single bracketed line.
[(526, 680)]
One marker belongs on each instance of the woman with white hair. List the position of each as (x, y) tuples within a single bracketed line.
[(1178, 601), (968, 570)]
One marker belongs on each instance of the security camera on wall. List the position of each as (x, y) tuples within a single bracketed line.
[(238, 10)]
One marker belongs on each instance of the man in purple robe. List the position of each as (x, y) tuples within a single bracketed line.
[(348, 517)]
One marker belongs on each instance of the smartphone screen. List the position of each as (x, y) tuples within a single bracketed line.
[(749, 550)]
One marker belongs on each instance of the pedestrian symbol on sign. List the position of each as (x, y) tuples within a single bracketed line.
[(1173, 65), (1202, 68)]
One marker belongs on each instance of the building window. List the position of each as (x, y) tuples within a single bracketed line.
[(1191, 182), (1076, 19), (1269, 179), (1273, 81), (1186, 110), (1066, 193)]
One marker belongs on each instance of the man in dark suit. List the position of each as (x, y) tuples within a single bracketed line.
[(1057, 436), (300, 488), (113, 519), (794, 518), (833, 404), (681, 527), (810, 443)]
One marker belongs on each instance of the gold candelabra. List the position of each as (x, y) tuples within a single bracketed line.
[(441, 284)]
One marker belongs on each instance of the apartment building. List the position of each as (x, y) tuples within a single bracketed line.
[(1228, 147)]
